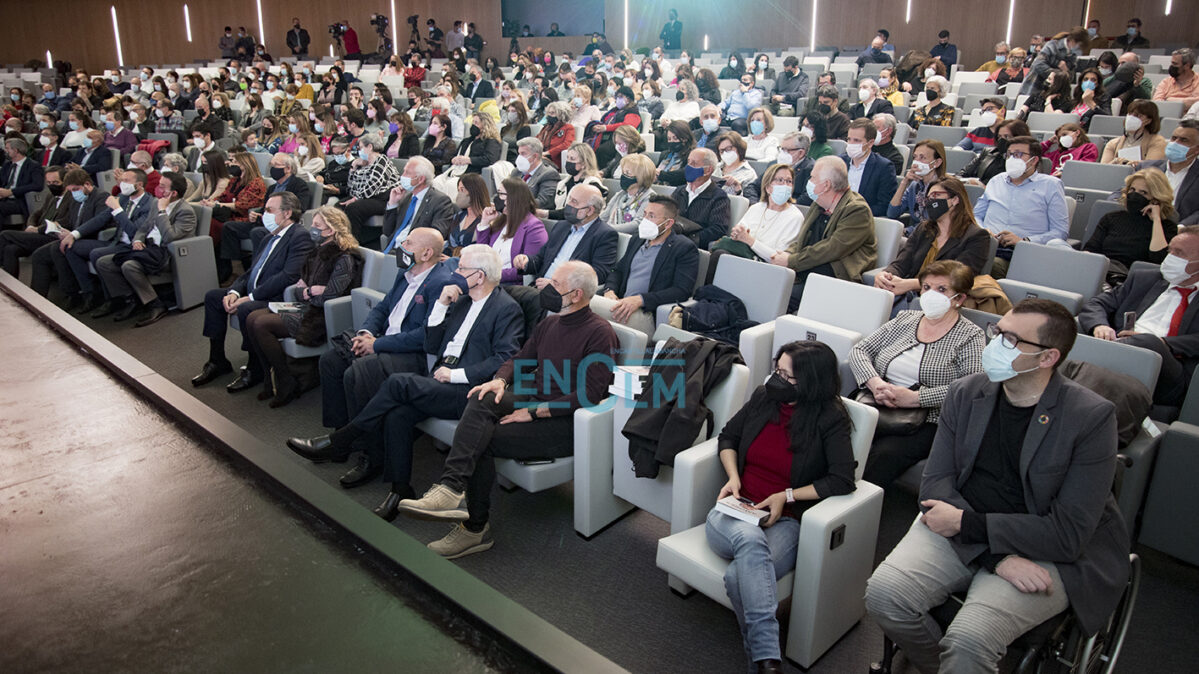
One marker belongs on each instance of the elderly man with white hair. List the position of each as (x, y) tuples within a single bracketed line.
[(870, 103), (469, 335), (413, 204), (837, 236), (541, 178), (701, 201), (582, 237)]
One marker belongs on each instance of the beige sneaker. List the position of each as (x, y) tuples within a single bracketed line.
[(439, 503), (461, 542)]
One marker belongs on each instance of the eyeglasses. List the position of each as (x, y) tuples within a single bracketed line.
[(1017, 155), (1010, 339), (786, 376)]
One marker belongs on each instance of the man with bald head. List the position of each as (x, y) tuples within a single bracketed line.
[(1129, 75), (138, 160), (581, 236)]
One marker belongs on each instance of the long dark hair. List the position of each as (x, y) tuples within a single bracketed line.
[(815, 368), (519, 205)]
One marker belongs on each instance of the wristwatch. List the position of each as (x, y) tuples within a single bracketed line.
[(790, 495)]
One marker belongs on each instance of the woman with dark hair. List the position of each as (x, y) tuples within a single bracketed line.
[(1053, 97), (511, 227), (679, 144), (516, 125), (735, 69), (246, 190), (557, 133), (1141, 139), (1068, 143), (990, 162), (624, 112), (784, 451), (709, 87), (1090, 97), (472, 199), (439, 145), (911, 195), (402, 139), (216, 176), (905, 368), (761, 68), (815, 126), (651, 71)]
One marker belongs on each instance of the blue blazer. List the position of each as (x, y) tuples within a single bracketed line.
[(671, 280), (878, 182), (99, 162), (411, 337), (128, 223), (493, 339), (296, 186), (282, 268), (93, 215), (29, 179), (597, 248)]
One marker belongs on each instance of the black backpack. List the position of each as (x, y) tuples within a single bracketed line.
[(717, 314)]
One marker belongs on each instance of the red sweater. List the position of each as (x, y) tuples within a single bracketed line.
[(768, 460)]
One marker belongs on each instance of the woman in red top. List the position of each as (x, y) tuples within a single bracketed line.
[(414, 74), (557, 134), (624, 112), (1069, 143), (246, 190), (786, 449)]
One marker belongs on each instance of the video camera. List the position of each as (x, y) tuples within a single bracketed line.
[(380, 22), (337, 30)]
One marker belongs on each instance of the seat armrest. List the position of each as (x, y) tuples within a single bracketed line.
[(362, 300), (595, 505), (868, 276), (1018, 290), (698, 477), (339, 317), (757, 348), (663, 314)]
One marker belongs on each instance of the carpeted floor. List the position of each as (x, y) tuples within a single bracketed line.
[(607, 592)]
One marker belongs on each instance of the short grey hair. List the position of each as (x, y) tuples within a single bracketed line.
[(887, 119), (375, 143), (289, 202), (291, 162), (175, 161), (18, 144), (1001, 45), (690, 91), (1187, 54), (561, 110), (940, 82), (832, 169), (800, 139), (709, 157), (532, 143), (424, 168), (581, 276), (484, 258)]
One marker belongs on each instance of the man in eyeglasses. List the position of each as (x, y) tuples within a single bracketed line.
[(1022, 205), (1017, 506)]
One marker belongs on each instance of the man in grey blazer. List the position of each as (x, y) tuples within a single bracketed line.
[(541, 178), (127, 277), (1017, 506)]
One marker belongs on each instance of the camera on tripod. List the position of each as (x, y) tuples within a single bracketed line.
[(380, 22), (337, 30)]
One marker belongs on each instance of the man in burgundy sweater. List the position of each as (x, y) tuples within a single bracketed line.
[(525, 412)]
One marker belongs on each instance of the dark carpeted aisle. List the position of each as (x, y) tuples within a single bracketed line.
[(607, 592)]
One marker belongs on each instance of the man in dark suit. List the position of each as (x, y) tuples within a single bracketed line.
[(672, 32), (1017, 506), (52, 100), (278, 261), (51, 153), (284, 171), (19, 176), (582, 236), (93, 157), (796, 146), (201, 142), (1184, 173), (541, 178), (870, 175), (659, 267), (701, 200), (87, 212), (469, 335), (414, 204), (791, 88), (56, 208), (391, 339), (478, 88), (297, 39), (1156, 310), (127, 213), (874, 105)]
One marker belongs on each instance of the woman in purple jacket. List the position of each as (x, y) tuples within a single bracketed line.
[(511, 227)]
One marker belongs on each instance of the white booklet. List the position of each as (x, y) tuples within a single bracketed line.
[(52, 227), (1131, 153), (741, 508), (286, 307)]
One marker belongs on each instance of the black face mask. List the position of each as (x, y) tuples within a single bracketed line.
[(499, 203), (1173, 71), (678, 96), (1001, 145), (931, 94), (474, 131), (551, 120), (674, 146), (551, 299), (474, 77), (404, 259), (276, 173), (571, 168), (55, 190), (780, 390), (626, 182), (1135, 202), (825, 109), (571, 214), (235, 171), (936, 208)]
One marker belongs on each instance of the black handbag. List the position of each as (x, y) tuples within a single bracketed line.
[(893, 420)]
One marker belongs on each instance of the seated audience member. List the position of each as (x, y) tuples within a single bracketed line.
[(786, 449), (1022, 205), (215, 177), (511, 226), (201, 144), (331, 269), (482, 147), (944, 51), (1012, 69), (760, 145), (735, 69), (582, 111), (701, 201), (949, 234), (1132, 38), (909, 363), (116, 136), (57, 207), (1069, 143), (919, 72), (541, 178), (837, 235), (659, 267), (1054, 96), (651, 98), (470, 201), (911, 194), (49, 260), (626, 208), (767, 227), (1156, 300), (870, 103), (1181, 82), (52, 153), (372, 177), (875, 53), (1090, 97), (982, 137), (836, 122), (888, 87), (1140, 141), (516, 125), (246, 190), (934, 111), (575, 340), (991, 161), (93, 157), (415, 204), (470, 333), (20, 175), (734, 170), (1053, 54), (581, 236), (129, 214), (1019, 565), (623, 113), (673, 157), (709, 126), (277, 263), (1179, 168), (126, 275), (1142, 230), (79, 124), (871, 176), (557, 133), (579, 167), (815, 126), (740, 102), (283, 169), (793, 151), (791, 87), (884, 140), (627, 141), (1098, 41), (439, 146), (139, 160)]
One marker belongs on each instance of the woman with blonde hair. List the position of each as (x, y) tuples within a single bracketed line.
[(557, 133), (578, 168), (310, 156), (581, 109), (626, 141), (482, 147), (626, 208), (332, 268), (768, 227), (1142, 230)]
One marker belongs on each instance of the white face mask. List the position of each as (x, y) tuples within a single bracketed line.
[(855, 150), (198, 142), (807, 132), (929, 72), (728, 158), (647, 229), (934, 304), (878, 137), (218, 104), (921, 168), (864, 95), (127, 188), (1066, 141), (988, 118), (1132, 124), (783, 157), (522, 163), (1015, 167), (1174, 269), (302, 150)]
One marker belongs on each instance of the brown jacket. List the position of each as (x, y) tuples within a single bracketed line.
[(848, 244)]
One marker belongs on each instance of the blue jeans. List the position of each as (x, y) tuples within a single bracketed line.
[(759, 557)]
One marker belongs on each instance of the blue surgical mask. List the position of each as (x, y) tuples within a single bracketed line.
[(757, 127), (364, 155), (998, 358), (268, 221), (692, 173), (1176, 152), (50, 95), (811, 190), (78, 195), (87, 141), (293, 128), (1088, 85), (43, 125), (1130, 31), (406, 183), (74, 125), (780, 194), (1001, 59), (341, 158), (110, 125), (320, 128)]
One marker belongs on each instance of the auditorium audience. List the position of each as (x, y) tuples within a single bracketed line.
[(578, 168), (511, 226), (871, 176), (57, 207), (626, 208), (1139, 231), (482, 148), (734, 171), (989, 162), (935, 111), (580, 236), (1069, 143), (911, 194), (768, 226), (701, 201)]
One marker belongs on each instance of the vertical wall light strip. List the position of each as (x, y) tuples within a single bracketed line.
[(187, 22), (395, 38), (1011, 12), (116, 33), (907, 14), (812, 45), (705, 42), (1086, 15), (49, 59), (1169, 6), (626, 24), (261, 32)]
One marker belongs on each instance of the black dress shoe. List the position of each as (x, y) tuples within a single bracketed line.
[(364, 472), (285, 392), (245, 380), (107, 308), (73, 302), (89, 303), (318, 449), (770, 666), (390, 507), (155, 315), (211, 371), (126, 312)]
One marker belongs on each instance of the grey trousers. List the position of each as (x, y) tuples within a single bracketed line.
[(920, 573), (125, 279)]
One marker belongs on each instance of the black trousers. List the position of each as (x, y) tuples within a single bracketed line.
[(232, 235), (404, 400), (49, 264), (362, 210), (801, 278), (892, 455), (348, 383), (15, 245), (480, 439), (216, 323), (1172, 380)]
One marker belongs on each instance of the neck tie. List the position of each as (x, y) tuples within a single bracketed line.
[(1176, 319), (257, 268), (399, 235)]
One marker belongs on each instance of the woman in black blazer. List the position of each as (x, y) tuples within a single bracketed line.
[(482, 147), (786, 449)]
